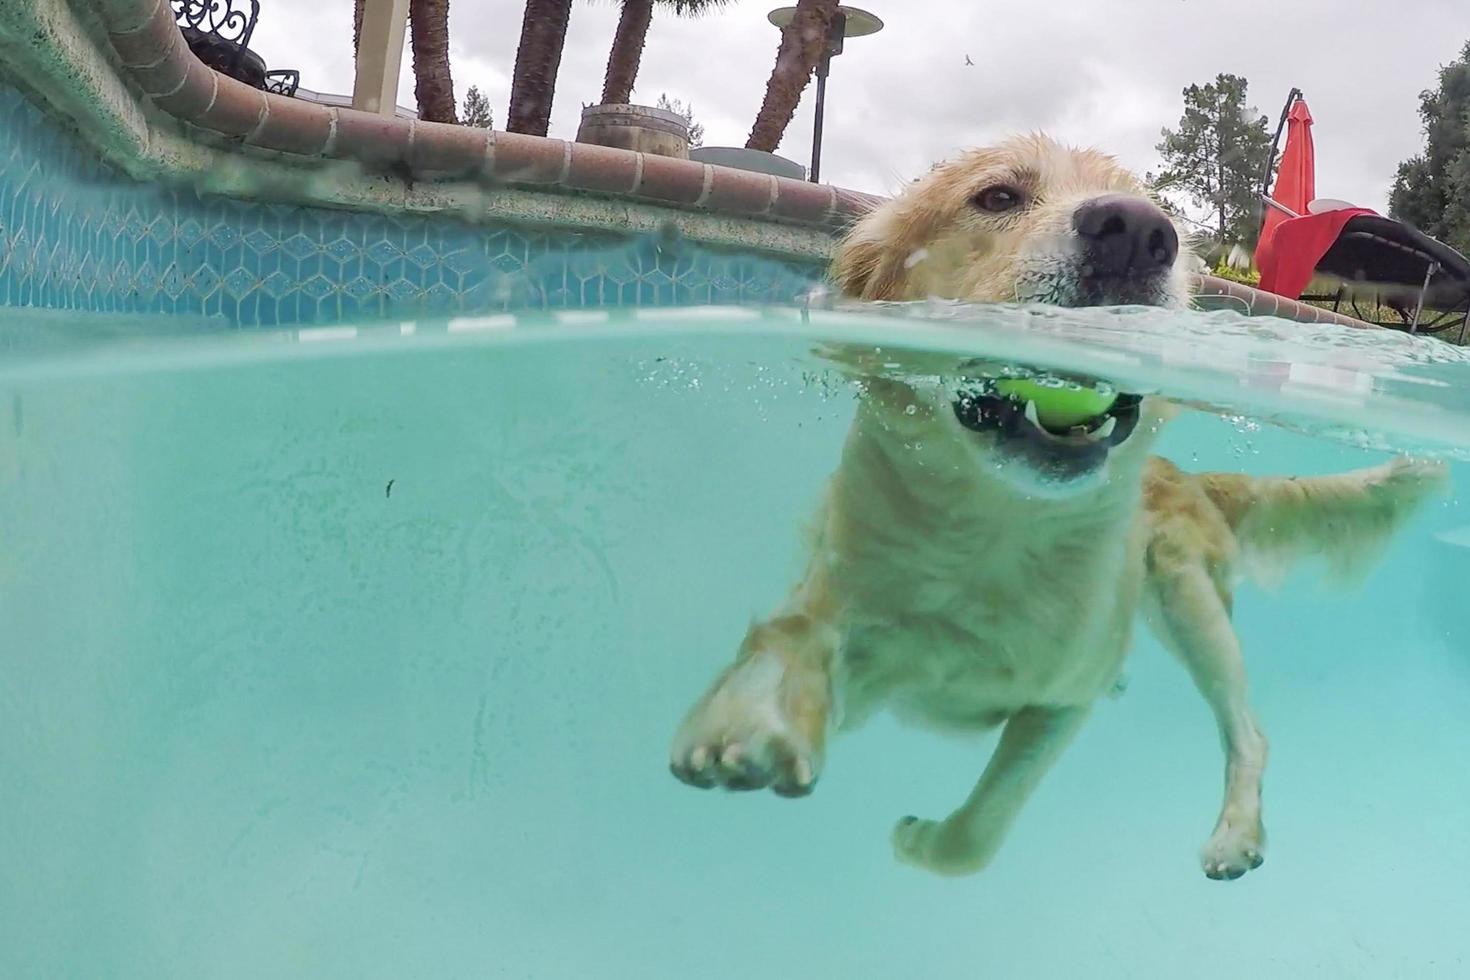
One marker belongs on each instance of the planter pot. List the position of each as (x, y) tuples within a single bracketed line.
[(640, 128), (740, 158)]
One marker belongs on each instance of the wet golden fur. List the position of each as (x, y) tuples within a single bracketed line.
[(950, 590)]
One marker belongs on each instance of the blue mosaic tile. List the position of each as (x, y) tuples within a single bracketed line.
[(74, 234)]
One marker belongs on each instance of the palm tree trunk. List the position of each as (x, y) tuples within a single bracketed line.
[(802, 44), (433, 85), (627, 52), (543, 35)]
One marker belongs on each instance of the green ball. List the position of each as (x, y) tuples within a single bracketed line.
[(1058, 407)]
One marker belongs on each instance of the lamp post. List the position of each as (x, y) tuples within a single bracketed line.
[(848, 22)]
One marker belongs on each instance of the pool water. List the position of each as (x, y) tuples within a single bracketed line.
[(357, 652)]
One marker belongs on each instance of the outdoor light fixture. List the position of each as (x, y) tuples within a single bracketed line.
[(848, 22)]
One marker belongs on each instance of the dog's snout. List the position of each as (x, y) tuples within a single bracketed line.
[(1125, 235)]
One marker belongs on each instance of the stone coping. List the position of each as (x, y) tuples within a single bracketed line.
[(1215, 293)]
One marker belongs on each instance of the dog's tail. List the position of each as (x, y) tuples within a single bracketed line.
[(1345, 520)]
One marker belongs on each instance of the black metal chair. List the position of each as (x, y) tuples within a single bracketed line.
[(219, 32), (1425, 282), (283, 82)]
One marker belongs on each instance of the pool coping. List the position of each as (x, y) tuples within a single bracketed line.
[(151, 48), (1213, 292), (122, 72)]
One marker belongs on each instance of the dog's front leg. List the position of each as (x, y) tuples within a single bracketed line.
[(764, 721), (966, 840)]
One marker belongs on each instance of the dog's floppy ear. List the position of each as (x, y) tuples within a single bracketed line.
[(868, 262)]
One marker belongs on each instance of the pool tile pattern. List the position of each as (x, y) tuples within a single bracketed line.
[(75, 234)]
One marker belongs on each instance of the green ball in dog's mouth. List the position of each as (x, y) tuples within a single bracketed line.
[(1058, 406)]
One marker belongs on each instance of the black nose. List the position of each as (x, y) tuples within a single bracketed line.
[(1124, 235)]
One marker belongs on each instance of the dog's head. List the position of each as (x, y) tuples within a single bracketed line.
[(1027, 221)]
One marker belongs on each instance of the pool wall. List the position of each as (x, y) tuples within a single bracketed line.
[(134, 179)]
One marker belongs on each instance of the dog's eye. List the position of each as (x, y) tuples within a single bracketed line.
[(998, 200)]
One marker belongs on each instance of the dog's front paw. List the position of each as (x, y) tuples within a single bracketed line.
[(759, 726), (1233, 849), (946, 847)]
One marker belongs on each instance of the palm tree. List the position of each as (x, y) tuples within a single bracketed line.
[(433, 86), (627, 46), (802, 43), (543, 35)]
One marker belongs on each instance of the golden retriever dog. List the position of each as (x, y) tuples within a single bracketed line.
[(971, 568)]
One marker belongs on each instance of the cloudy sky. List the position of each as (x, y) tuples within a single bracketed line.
[(1100, 72)]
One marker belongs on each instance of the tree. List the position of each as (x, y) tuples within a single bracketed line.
[(476, 111), (802, 43), (433, 86), (538, 59), (696, 131), (1216, 157), (627, 47), (1432, 190)]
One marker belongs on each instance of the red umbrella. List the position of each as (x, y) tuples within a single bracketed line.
[(1287, 260), (1296, 180)]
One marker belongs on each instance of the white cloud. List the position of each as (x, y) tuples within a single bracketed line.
[(1103, 72)]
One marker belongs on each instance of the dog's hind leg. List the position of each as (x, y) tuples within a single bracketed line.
[(764, 721), (1190, 613), (966, 840)]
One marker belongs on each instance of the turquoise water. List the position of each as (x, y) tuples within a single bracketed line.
[(356, 653)]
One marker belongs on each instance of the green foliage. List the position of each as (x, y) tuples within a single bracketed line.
[(1432, 190), (677, 106), (1225, 270), (476, 110), (1217, 156)]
